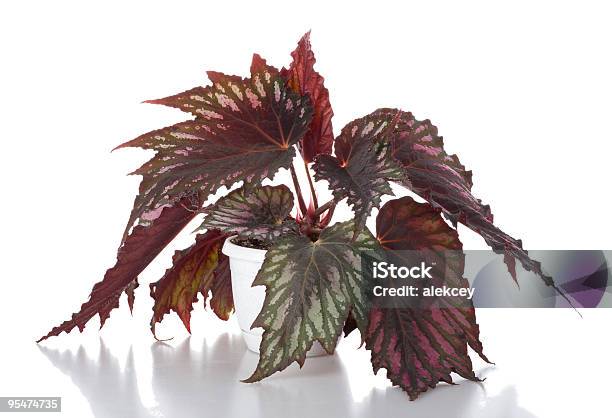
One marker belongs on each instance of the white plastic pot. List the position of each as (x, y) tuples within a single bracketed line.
[(248, 300)]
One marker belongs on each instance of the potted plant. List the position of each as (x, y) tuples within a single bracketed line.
[(283, 240)]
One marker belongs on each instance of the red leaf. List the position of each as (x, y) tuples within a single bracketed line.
[(363, 165), (444, 182), (422, 346), (244, 130), (222, 299), (303, 79), (197, 269), (349, 325), (129, 291), (135, 254)]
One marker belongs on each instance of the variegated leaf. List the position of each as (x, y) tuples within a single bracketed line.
[(417, 146), (262, 214), (197, 269), (310, 289), (421, 346), (142, 245), (416, 140), (444, 182), (363, 165), (244, 129), (303, 79)]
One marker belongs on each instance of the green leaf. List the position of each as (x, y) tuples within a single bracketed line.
[(198, 269), (263, 213), (363, 164), (244, 130), (310, 289), (421, 346)]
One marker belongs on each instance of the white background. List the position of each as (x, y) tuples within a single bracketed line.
[(521, 91)]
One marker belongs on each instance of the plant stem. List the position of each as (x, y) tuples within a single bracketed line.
[(312, 189), (323, 208), (298, 190)]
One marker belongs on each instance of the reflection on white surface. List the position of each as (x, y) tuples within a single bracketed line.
[(203, 379)]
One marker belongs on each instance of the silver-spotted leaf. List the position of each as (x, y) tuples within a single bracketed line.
[(263, 213), (421, 346), (197, 269), (363, 164), (244, 130), (310, 289), (142, 245), (444, 182)]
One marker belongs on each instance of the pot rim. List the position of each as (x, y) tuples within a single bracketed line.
[(243, 253)]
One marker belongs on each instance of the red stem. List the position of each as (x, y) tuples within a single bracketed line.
[(323, 208), (298, 190), (312, 189)]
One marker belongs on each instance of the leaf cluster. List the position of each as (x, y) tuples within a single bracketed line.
[(242, 131)]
